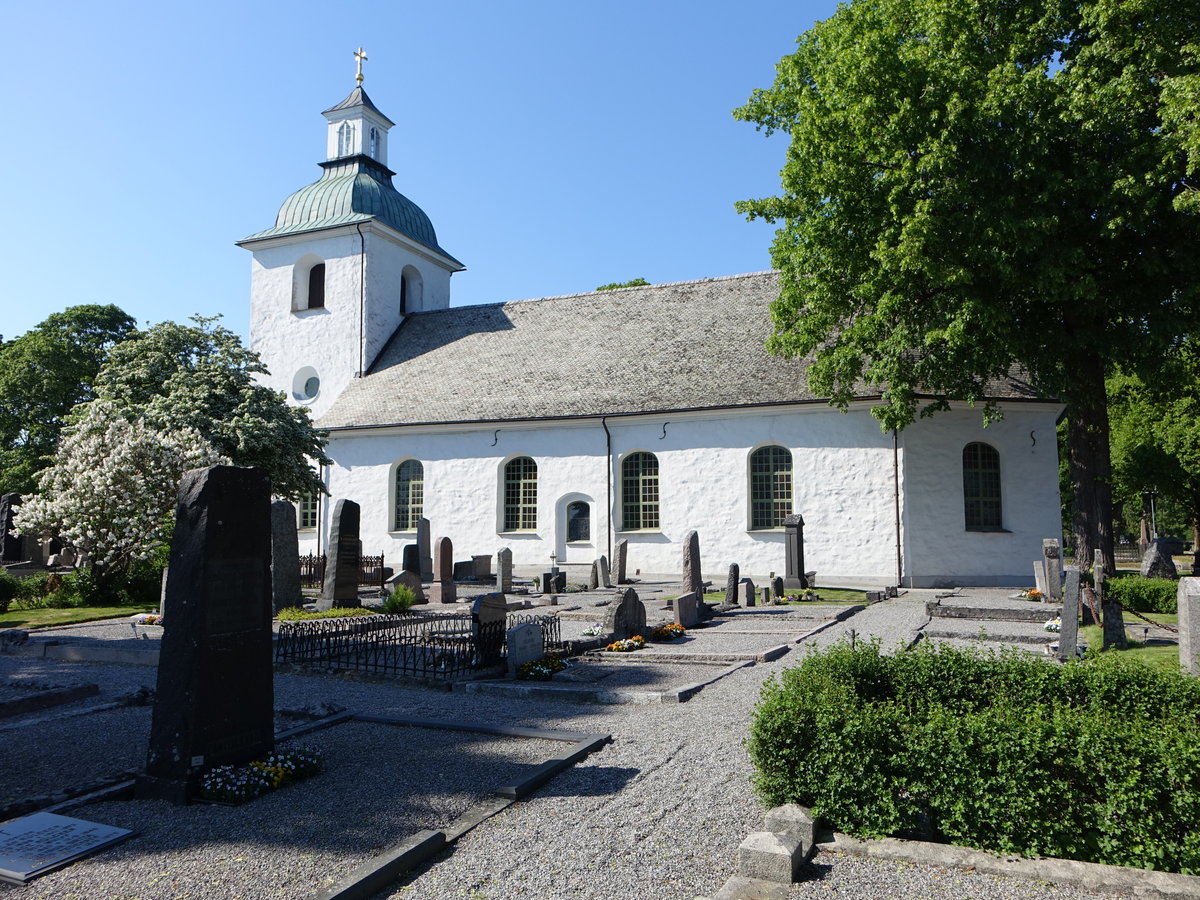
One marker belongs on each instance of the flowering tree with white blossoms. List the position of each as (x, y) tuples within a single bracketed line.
[(111, 490)]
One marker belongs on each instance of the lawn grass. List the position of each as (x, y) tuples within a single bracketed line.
[(38, 618), (1157, 656), (829, 596)]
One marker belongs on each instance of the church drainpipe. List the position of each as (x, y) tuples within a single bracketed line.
[(608, 483), (896, 492)]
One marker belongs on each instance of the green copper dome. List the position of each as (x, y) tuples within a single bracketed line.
[(352, 189)]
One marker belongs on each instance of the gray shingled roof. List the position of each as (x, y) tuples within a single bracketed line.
[(662, 348)]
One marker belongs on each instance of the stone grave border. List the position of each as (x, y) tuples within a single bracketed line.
[(45, 698), (562, 693), (762, 878), (381, 870)]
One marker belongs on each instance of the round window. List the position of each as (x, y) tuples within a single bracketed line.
[(306, 384)]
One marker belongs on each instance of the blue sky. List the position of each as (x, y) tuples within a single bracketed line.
[(556, 146)]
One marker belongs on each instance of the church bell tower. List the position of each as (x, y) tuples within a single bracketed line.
[(349, 257)]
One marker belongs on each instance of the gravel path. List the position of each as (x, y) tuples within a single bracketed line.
[(658, 813)]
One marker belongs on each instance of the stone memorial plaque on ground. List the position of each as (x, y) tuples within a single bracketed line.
[(34, 845)]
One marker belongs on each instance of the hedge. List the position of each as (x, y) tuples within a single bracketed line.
[(1144, 594), (1096, 760)]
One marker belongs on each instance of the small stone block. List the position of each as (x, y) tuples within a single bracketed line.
[(770, 856), (793, 820)]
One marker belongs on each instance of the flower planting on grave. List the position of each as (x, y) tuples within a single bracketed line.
[(593, 630), (668, 632), (1033, 594), (541, 669), (628, 645), (238, 784), (1095, 760)]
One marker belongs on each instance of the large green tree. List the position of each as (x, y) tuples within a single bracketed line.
[(43, 374), (199, 376), (1156, 438), (975, 185)]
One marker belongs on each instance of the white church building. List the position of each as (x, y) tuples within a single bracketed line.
[(559, 426)]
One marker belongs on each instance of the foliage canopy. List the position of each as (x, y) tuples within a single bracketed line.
[(973, 186), (200, 376), (43, 374)]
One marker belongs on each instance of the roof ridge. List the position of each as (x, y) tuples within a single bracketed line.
[(640, 287)]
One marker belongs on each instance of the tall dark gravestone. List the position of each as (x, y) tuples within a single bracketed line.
[(285, 557), (731, 584), (621, 560), (214, 703), (693, 581), (12, 547), (410, 560), (423, 548), (793, 549), (341, 572)]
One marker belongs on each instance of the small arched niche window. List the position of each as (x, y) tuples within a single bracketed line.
[(374, 143), (410, 495), (520, 494), (345, 135), (639, 491), (579, 521), (410, 290), (981, 487), (316, 287), (770, 486)]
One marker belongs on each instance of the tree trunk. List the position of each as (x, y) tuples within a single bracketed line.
[(1090, 465)]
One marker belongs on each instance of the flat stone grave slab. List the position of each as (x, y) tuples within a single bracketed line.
[(34, 845)]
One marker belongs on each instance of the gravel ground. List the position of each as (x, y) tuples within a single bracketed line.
[(313, 834), (660, 812)]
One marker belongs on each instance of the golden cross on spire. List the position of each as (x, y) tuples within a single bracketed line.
[(361, 58)]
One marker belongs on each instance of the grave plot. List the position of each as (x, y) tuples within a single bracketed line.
[(988, 619), (385, 782)]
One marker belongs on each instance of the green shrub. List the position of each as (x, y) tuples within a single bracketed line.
[(34, 587), (400, 600), (1144, 595), (9, 587), (295, 613), (1096, 760)]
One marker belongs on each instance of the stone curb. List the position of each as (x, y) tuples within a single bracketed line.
[(685, 693), (40, 700), (378, 872), (564, 694), (78, 653), (381, 870), (558, 694), (773, 653), (829, 623), (1144, 884), (553, 766)]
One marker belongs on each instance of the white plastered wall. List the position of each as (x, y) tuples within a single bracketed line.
[(938, 549), (327, 340), (842, 479)]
